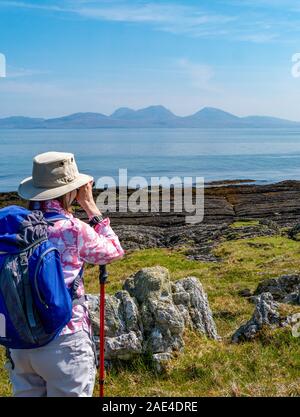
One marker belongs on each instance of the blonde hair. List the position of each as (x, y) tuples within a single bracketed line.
[(64, 200)]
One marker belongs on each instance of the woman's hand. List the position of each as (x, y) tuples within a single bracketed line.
[(86, 200)]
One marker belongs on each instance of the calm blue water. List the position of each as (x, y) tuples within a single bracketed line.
[(265, 155)]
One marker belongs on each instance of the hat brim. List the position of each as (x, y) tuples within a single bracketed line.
[(28, 191)]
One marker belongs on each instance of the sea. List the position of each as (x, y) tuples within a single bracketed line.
[(261, 155)]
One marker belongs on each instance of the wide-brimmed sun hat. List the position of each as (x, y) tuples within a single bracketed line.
[(53, 175)]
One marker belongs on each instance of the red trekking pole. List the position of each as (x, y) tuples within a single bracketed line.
[(102, 279)]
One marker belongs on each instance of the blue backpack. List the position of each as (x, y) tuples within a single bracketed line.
[(35, 303)]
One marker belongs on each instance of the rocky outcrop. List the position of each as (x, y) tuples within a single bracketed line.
[(285, 289), (267, 296), (150, 314), (265, 314), (163, 324), (191, 300), (122, 329)]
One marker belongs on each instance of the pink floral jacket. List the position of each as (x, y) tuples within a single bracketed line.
[(78, 243)]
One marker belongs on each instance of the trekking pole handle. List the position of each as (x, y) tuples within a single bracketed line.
[(103, 275)]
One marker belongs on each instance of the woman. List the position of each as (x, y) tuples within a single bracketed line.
[(66, 366)]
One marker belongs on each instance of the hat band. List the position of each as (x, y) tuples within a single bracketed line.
[(58, 182)]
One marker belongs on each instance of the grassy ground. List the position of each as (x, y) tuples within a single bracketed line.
[(269, 366), (244, 223)]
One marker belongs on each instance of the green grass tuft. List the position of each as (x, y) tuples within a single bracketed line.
[(244, 223)]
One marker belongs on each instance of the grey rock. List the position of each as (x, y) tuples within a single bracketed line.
[(162, 322), (291, 321), (292, 298), (190, 295), (150, 314), (149, 282), (270, 224), (123, 336), (161, 361), (284, 289), (265, 314), (124, 346), (129, 310)]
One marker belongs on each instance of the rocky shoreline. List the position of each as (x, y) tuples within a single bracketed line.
[(263, 209)]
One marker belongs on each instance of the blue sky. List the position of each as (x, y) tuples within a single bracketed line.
[(79, 55)]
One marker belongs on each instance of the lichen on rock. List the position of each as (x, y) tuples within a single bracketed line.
[(150, 315)]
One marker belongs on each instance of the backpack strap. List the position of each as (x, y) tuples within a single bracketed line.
[(76, 283), (54, 216), (75, 299), (27, 289)]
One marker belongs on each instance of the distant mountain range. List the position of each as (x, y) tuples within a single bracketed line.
[(150, 117)]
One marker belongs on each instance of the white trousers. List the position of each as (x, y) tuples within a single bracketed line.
[(66, 367)]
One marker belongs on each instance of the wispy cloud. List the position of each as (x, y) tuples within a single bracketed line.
[(270, 4), (198, 75), (176, 18), (26, 5), (168, 17)]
